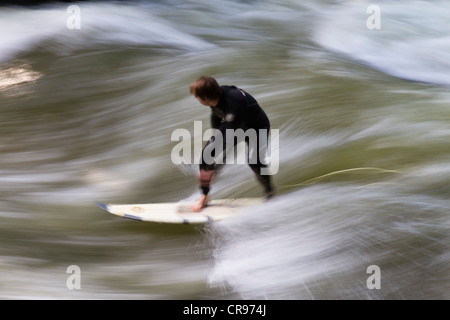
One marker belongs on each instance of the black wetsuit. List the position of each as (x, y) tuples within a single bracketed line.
[(237, 109)]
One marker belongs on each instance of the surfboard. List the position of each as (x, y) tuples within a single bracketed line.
[(180, 212)]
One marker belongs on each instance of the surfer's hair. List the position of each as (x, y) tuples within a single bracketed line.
[(206, 88)]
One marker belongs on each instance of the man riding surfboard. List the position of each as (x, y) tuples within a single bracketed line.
[(231, 108)]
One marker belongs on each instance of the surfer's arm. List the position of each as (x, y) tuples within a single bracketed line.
[(231, 120), (215, 121)]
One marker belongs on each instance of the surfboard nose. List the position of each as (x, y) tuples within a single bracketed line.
[(103, 206)]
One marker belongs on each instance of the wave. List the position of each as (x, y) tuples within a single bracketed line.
[(23, 29), (318, 243), (412, 41)]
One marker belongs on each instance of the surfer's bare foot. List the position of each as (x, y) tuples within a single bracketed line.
[(200, 203)]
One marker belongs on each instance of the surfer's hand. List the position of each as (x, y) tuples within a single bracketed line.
[(199, 204)]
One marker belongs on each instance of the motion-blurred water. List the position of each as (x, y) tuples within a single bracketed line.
[(86, 116)]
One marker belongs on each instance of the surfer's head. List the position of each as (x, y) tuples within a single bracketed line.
[(206, 90)]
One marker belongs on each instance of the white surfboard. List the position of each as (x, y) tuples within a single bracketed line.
[(180, 212)]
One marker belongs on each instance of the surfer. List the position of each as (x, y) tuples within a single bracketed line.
[(231, 108)]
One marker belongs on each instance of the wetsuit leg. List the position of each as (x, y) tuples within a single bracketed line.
[(207, 170), (264, 180), (256, 166)]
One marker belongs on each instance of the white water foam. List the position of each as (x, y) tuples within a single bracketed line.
[(412, 42), (23, 29), (317, 243)]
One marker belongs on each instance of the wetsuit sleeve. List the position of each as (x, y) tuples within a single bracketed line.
[(231, 120), (215, 121)]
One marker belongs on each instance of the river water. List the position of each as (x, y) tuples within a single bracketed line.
[(90, 96)]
